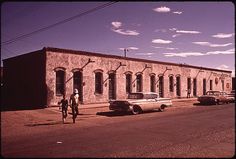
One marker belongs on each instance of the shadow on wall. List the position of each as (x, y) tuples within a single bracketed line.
[(50, 95), (26, 100)]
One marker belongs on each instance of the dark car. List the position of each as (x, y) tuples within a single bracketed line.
[(214, 97)]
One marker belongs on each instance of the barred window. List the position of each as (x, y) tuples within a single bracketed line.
[(171, 84), (128, 83), (98, 83), (152, 83), (211, 84), (139, 83)]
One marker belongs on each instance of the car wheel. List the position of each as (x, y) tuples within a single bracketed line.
[(136, 110), (162, 108), (217, 102)]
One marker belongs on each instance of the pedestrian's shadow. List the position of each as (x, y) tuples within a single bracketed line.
[(113, 113), (47, 123)]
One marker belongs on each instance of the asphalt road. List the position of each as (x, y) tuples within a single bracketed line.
[(194, 131)]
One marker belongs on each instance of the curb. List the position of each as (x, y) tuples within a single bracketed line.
[(94, 106)]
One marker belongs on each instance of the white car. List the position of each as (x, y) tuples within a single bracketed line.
[(140, 102)]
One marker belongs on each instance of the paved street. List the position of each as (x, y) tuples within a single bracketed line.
[(184, 130)]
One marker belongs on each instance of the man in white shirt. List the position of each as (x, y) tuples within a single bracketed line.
[(74, 102)]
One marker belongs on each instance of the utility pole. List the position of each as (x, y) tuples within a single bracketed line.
[(125, 50)]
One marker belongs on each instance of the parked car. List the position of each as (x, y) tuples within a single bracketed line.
[(231, 96), (140, 102), (214, 97)]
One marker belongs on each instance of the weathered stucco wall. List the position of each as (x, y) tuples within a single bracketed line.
[(72, 61)]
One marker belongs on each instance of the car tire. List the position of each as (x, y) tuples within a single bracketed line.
[(162, 108), (136, 110), (217, 102)]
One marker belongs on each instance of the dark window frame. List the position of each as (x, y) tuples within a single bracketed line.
[(98, 82), (152, 83), (139, 82), (128, 86), (60, 81), (171, 83)]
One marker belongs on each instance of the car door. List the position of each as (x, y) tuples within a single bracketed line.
[(223, 97)]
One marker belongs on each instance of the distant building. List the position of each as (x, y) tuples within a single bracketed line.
[(40, 78)]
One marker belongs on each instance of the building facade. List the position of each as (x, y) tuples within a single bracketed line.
[(41, 78)]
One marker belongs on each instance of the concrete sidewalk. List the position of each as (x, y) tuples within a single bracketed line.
[(101, 105)]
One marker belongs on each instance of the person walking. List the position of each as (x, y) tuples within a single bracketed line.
[(74, 103), (63, 105), (188, 93)]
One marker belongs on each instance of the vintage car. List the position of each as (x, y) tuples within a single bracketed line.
[(140, 102), (214, 97)]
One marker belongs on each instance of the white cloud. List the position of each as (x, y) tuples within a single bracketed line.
[(162, 9), (210, 44), (187, 32), (180, 32), (160, 41), (223, 35), (175, 35), (230, 51), (177, 12), (168, 48), (171, 48), (116, 24), (116, 28), (184, 54), (126, 32), (173, 29), (223, 67), (130, 48)]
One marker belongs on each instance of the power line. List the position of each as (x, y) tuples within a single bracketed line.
[(58, 23)]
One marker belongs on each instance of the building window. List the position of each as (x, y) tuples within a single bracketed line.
[(161, 86), (98, 83), (178, 86), (211, 84), (195, 87), (152, 83), (128, 83), (77, 80), (223, 85), (189, 84), (171, 84), (204, 86), (139, 83), (60, 82)]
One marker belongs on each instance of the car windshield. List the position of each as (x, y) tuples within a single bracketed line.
[(214, 93), (135, 96), (150, 96)]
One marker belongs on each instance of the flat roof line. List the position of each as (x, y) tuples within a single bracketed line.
[(126, 58)]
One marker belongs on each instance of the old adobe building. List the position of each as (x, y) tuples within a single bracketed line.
[(40, 78)]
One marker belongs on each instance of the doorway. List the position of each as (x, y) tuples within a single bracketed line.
[(161, 86), (112, 85), (178, 94), (204, 86), (194, 87), (78, 83)]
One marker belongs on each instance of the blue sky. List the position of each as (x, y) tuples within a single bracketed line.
[(196, 33)]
